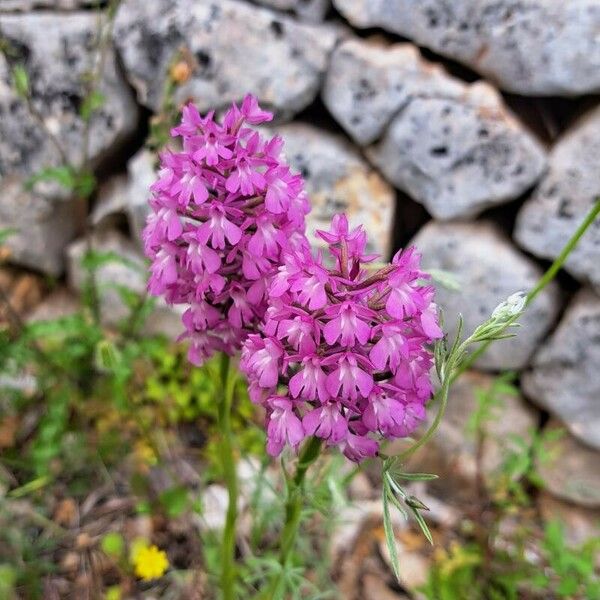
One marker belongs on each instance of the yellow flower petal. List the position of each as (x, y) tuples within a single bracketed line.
[(150, 563)]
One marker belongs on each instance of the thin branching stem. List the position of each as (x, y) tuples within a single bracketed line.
[(92, 85), (460, 362), (546, 278), (39, 119)]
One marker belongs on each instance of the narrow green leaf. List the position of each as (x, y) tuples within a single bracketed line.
[(31, 486), (390, 538), (423, 525), (417, 476), (399, 507), (395, 486)]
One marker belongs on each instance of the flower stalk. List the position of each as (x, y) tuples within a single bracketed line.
[(230, 476), (293, 511)]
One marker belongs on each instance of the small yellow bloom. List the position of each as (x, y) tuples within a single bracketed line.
[(149, 562)]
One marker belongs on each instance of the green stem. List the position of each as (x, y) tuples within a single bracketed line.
[(455, 370), (293, 511), (443, 395), (555, 267), (230, 476), (546, 278)]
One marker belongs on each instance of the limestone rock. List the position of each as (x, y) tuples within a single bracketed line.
[(565, 378), (59, 304), (57, 51), (415, 565), (128, 270), (310, 10), (565, 196), (236, 48), (459, 157), (111, 201), (28, 5), (536, 47), (368, 82), (452, 451), (375, 588), (214, 508), (141, 170), (41, 227), (339, 180), (128, 195), (580, 524), (488, 269), (570, 470)]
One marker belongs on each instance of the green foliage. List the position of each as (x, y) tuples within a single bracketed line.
[(307, 574), (449, 363), (91, 103), (445, 279), (95, 259), (81, 183), (490, 402), (8, 578), (455, 575), (168, 114), (465, 571), (24, 558), (20, 80), (85, 184), (175, 501), (187, 394), (5, 234), (63, 175), (47, 444), (84, 376), (393, 494), (572, 571), (113, 544), (487, 564)]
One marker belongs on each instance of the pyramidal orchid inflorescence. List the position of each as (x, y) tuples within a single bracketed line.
[(224, 209), (344, 352)]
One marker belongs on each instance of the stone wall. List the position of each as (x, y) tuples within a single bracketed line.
[(470, 126)]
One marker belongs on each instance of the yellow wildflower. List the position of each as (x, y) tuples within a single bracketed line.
[(149, 562)]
